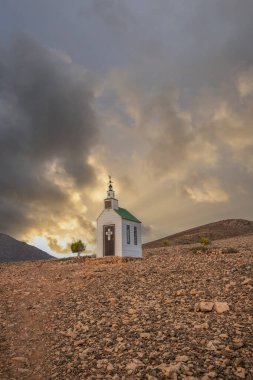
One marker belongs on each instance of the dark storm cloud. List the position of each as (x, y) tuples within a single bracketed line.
[(46, 118), (114, 13), (213, 41), (13, 217)]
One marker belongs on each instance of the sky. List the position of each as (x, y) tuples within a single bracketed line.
[(158, 94)]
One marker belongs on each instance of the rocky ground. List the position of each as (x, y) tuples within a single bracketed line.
[(176, 314)]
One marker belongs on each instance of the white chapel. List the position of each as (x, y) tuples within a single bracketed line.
[(118, 231)]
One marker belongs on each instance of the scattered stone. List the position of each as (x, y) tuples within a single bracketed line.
[(145, 335), (237, 344), (206, 306), (200, 326), (83, 354), (180, 292), (210, 346), (100, 363), (79, 342), (24, 371), (110, 367), (211, 375), (246, 281), (71, 334), (182, 358), (134, 364), (240, 372), (223, 336), (221, 307), (169, 370), (150, 377)]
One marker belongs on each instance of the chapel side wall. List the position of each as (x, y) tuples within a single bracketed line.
[(109, 216), (131, 250)]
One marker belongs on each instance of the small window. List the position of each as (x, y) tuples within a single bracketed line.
[(108, 204), (128, 234), (135, 236)]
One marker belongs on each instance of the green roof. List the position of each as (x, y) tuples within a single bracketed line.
[(126, 215)]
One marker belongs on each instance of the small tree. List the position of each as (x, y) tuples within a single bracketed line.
[(78, 247), (205, 241), (166, 243)]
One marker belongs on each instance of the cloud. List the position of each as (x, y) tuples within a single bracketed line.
[(245, 82), (47, 128), (170, 116), (56, 247), (161, 135), (208, 191), (171, 158), (148, 232)]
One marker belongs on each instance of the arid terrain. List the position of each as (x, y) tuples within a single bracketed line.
[(176, 314)]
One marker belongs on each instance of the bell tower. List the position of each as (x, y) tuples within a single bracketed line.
[(111, 201)]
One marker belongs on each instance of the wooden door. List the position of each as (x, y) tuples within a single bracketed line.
[(109, 240)]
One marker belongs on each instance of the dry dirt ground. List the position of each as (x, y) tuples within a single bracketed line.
[(140, 319)]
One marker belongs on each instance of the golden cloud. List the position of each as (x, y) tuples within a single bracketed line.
[(208, 191)]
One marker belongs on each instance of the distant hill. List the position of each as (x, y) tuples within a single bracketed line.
[(214, 231), (15, 250)]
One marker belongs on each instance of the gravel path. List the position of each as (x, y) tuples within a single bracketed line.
[(140, 319)]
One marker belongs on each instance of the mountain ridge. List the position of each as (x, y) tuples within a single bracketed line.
[(12, 250), (221, 229)]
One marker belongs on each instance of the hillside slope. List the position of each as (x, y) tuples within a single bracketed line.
[(15, 250), (218, 230)]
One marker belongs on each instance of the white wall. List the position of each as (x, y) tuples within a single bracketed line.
[(131, 250), (109, 216)]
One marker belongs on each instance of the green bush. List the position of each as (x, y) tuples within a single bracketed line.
[(166, 243), (205, 241)]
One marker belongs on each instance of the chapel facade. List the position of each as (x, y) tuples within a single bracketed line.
[(118, 231)]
